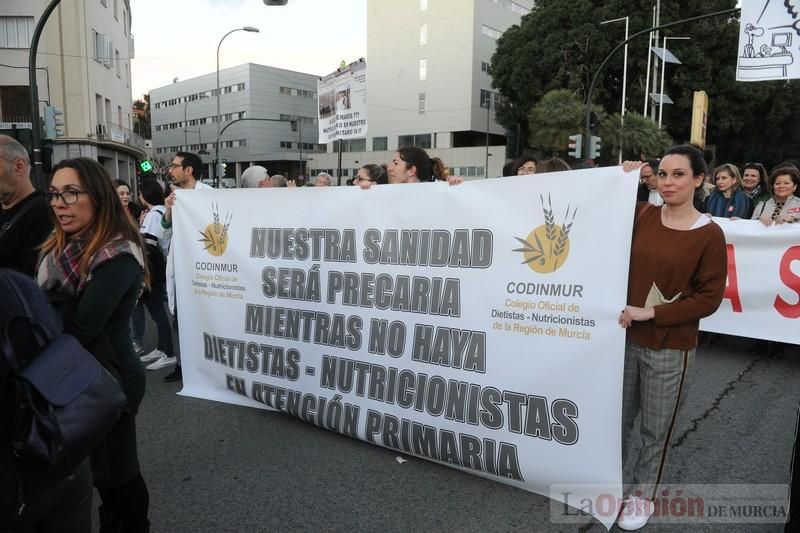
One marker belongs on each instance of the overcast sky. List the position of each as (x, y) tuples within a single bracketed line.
[(179, 38)]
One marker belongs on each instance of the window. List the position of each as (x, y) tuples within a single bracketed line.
[(117, 64), (423, 69), (380, 144), (125, 23), (405, 140), (491, 32), (103, 49), (240, 86), (486, 98), (423, 141), (423, 5), (16, 32), (104, 2), (423, 35), (116, 9), (485, 67), (421, 103)]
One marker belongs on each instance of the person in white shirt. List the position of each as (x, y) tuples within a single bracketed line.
[(185, 172)]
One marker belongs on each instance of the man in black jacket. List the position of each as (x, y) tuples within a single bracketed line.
[(24, 214)]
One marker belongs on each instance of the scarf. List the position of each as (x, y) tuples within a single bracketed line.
[(735, 206), (61, 272)]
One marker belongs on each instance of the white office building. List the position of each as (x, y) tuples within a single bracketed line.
[(428, 84), (279, 130), (83, 68)]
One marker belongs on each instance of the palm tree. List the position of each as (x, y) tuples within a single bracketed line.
[(553, 119), (637, 137)]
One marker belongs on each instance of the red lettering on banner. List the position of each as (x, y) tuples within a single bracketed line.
[(732, 283), (791, 280)]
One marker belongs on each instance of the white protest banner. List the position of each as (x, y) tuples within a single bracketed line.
[(342, 99), (768, 37), (762, 296), (473, 325)]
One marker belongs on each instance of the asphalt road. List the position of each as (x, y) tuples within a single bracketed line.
[(213, 467)]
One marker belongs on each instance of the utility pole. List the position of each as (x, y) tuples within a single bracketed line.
[(654, 75), (36, 132)]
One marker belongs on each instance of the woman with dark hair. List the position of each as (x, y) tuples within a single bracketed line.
[(783, 206), (372, 173), (124, 193), (727, 200), (93, 271), (525, 164), (410, 165), (151, 195), (755, 184), (677, 276)]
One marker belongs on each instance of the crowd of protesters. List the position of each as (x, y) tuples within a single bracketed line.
[(101, 256)]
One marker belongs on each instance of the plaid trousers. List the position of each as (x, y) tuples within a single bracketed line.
[(655, 386)]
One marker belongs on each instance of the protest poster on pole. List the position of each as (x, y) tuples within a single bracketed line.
[(475, 326), (768, 36), (342, 99)]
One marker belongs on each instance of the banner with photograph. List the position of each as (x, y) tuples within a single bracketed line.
[(768, 37), (342, 99), (475, 326), (762, 296)]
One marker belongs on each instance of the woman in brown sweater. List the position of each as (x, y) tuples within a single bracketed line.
[(677, 276)]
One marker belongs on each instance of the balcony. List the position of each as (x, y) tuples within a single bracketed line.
[(108, 131)]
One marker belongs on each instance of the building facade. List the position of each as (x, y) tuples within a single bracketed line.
[(83, 68), (428, 84), (268, 118)]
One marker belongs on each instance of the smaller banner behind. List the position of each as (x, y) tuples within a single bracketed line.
[(342, 99), (768, 37), (762, 297)]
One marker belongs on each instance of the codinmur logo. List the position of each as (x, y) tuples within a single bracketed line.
[(215, 236), (546, 248)]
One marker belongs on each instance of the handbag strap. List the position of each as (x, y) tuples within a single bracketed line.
[(18, 215)]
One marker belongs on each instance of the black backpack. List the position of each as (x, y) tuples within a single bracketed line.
[(56, 401)]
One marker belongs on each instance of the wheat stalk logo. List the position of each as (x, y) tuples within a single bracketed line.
[(546, 249), (215, 236)]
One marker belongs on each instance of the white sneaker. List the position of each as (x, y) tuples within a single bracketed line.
[(161, 362), (152, 356), (635, 513)]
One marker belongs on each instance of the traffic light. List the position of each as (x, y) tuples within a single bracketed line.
[(146, 166), (594, 147), (222, 167), (576, 145), (53, 125)]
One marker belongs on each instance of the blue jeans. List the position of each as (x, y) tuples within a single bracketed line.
[(155, 301)]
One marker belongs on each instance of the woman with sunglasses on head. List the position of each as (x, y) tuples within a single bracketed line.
[(93, 271)]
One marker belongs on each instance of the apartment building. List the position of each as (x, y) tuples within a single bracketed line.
[(83, 68), (267, 118), (428, 84)]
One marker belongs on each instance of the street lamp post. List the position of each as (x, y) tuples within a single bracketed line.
[(663, 65), (624, 70), (185, 124), (216, 149)]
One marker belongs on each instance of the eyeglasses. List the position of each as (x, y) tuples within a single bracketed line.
[(69, 197), (175, 165)]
